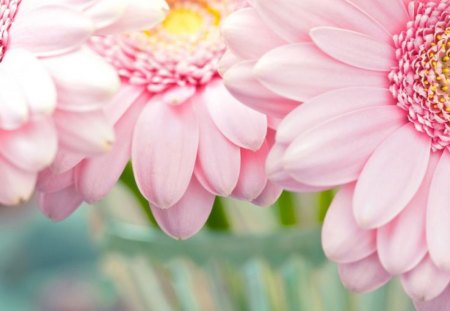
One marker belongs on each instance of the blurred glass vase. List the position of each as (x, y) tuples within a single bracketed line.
[(258, 266)]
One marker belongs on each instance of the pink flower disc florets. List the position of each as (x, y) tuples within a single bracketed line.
[(183, 51), (8, 11), (421, 83)]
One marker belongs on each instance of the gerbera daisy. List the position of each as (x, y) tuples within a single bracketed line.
[(373, 77), (188, 138), (52, 86)]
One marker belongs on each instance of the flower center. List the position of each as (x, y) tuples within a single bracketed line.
[(8, 11), (183, 21), (421, 82), (183, 50)]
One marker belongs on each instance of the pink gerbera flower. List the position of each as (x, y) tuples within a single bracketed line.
[(188, 138), (52, 86), (374, 78)]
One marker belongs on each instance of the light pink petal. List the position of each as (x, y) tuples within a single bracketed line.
[(242, 84), (33, 79), (400, 249), (179, 94), (334, 152), (243, 126), (188, 215), (95, 177), (277, 174), (440, 303), (247, 36), (300, 71), (65, 160), (219, 160), (13, 105), (49, 182), (61, 204), (138, 15), (227, 61), (354, 48), (165, 145), (50, 30), (252, 179), (78, 5), (342, 239), (87, 133), (105, 12), (438, 214), (128, 95), (365, 275), (83, 79), (391, 177), (292, 19), (16, 185), (269, 195), (426, 281), (390, 14), (32, 147), (329, 105)]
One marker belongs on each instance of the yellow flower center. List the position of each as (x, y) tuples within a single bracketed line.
[(183, 21)]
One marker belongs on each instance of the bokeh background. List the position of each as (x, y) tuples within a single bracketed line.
[(111, 257)]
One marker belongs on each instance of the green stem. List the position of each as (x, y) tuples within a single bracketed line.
[(286, 209), (325, 199), (128, 180), (218, 219)]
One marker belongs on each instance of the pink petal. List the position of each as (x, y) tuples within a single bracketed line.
[(49, 182), (334, 153), (105, 12), (138, 15), (388, 182), (327, 106), (426, 281), (292, 19), (365, 275), (95, 177), (16, 185), (391, 14), (13, 105), (33, 147), (83, 79), (219, 160), (128, 95), (243, 85), (277, 174), (247, 36), (252, 179), (243, 126), (438, 214), (188, 215), (165, 145), (227, 61), (400, 249), (269, 195), (65, 160), (442, 302), (300, 71), (354, 48), (60, 30), (88, 133), (33, 78), (59, 205), (342, 239)]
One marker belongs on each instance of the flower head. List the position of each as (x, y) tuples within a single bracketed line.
[(52, 86), (373, 79), (188, 138)]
